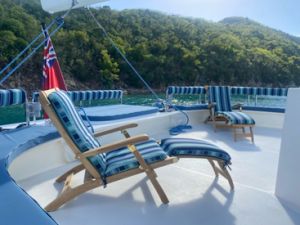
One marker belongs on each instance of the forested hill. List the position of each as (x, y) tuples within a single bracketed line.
[(165, 49)]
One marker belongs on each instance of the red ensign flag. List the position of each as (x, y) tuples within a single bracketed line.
[(52, 75)]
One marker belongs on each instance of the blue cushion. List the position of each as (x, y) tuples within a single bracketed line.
[(116, 112), (221, 96), (95, 95), (123, 159), (196, 148), (259, 91), (75, 127), (186, 90), (12, 97), (237, 118)]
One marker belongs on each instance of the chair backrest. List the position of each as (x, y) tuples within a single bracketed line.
[(69, 123), (220, 95)]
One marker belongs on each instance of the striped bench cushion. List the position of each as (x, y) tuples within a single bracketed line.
[(186, 90), (12, 97), (196, 148), (95, 95), (123, 160), (88, 95), (237, 118), (75, 128), (264, 91)]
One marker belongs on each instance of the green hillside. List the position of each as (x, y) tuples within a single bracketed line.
[(165, 49)]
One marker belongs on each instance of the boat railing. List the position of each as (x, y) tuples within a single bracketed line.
[(87, 97), (260, 96), (253, 98)]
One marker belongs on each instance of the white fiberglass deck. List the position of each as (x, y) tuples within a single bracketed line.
[(196, 197)]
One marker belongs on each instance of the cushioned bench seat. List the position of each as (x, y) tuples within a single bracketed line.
[(115, 112), (17, 207)]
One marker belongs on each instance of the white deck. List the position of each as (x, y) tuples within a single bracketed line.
[(196, 197)]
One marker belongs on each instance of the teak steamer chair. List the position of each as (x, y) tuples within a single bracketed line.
[(146, 153)]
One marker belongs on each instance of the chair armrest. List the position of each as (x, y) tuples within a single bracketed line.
[(238, 106), (114, 146), (115, 129)]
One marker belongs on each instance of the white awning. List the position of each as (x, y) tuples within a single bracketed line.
[(53, 6)]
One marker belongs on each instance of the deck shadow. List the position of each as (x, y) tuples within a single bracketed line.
[(125, 209)]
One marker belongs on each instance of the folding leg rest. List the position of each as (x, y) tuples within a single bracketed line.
[(192, 148)]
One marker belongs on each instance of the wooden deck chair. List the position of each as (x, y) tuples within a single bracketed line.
[(221, 110), (125, 158)]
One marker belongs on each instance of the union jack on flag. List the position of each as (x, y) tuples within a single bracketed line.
[(52, 75)]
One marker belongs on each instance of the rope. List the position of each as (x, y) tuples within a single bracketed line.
[(89, 124), (160, 103), (122, 55)]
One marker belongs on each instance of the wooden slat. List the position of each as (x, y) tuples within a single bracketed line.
[(115, 129)]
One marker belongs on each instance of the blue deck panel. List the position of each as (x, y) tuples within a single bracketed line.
[(16, 206), (116, 112)]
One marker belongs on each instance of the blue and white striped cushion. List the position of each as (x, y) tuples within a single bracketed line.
[(186, 90), (272, 91), (74, 126), (221, 96), (74, 95), (237, 118), (259, 91), (12, 97), (123, 160), (95, 95), (240, 90), (191, 147)]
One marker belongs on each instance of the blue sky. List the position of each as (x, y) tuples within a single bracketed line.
[(283, 15)]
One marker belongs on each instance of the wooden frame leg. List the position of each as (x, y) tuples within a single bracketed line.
[(234, 134), (251, 132), (224, 172), (74, 170), (207, 119), (150, 174), (69, 193), (157, 186), (211, 162), (214, 124)]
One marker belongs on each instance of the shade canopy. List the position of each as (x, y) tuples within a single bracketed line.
[(53, 6)]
